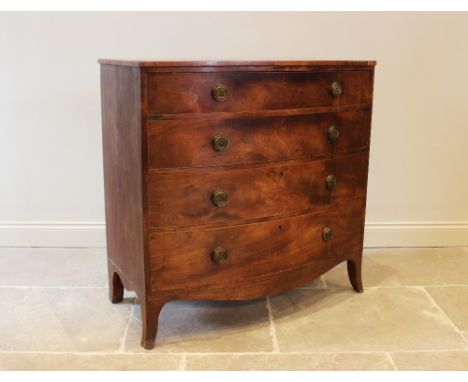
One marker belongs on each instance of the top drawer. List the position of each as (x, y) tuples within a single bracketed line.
[(175, 93)]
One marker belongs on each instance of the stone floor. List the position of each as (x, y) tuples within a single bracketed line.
[(413, 315)]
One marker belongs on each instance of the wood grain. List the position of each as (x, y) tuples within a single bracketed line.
[(254, 251), (183, 198), (174, 93), (122, 174), (212, 65), (160, 169), (181, 143)]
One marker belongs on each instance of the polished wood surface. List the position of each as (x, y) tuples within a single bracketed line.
[(121, 137), (240, 65), (177, 93), (161, 169), (183, 197), (178, 143), (254, 251)]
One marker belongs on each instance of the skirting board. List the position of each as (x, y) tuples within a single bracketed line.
[(53, 234), (416, 234), (92, 234)]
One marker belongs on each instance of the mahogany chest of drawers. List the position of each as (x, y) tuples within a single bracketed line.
[(232, 180)]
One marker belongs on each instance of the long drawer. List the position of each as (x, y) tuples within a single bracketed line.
[(251, 251), (209, 142), (176, 93), (248, 253), (200, 196)]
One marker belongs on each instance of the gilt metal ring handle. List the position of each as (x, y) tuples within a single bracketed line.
[(327, 233), (336, 89), (220, 93), (219, 255), (331, 182), (221, 143), (333, 133), (219, 198)]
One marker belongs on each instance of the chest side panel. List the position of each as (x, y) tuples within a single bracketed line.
[(121, 134)]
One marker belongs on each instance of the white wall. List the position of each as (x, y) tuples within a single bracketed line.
[(50, 137)]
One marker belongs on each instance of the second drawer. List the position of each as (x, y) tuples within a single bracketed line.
[(201, 196), (210, 142)]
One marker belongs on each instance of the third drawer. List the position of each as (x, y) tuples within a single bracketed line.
[(203, 196)]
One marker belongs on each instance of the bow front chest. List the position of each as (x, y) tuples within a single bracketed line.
[(232, 180)]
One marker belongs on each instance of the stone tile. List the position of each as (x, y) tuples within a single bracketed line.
[(208, 326), (60, 320), (387, 319), (314, 284), (41, 361), (433, 361), (317, 361), (407, 266), (53, 267), (454, 302)]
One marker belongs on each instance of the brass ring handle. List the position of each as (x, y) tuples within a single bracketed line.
[(327, 233), (219, 198), (331, 182), (333, 133), (219, 255), (336, 89), (221, 143), (220, 93)]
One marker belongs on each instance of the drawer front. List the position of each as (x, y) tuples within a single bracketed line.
[(186, 259), (176, 93), (209, 142), (254, 252), (347, 222), (197, 196)]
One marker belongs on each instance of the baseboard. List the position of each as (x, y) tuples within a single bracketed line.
[(92, 234), (416, 234), (52, 234)]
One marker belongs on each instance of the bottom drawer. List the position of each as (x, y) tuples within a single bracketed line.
[(247, 253)]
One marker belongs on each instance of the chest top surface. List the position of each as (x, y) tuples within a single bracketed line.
[(247, 64)]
